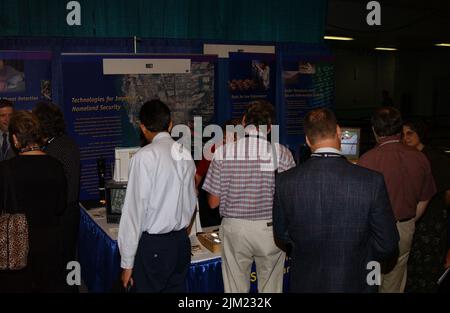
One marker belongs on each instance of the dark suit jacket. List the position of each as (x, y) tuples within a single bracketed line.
[(9, 153), (338, 218)]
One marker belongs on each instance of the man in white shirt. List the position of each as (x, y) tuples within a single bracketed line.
[(159, 204)]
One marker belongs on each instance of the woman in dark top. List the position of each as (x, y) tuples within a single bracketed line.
[(38, 185), (429, 248), (65, 150)]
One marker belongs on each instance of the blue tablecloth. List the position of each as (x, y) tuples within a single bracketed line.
[(98, 255), (100, 263)]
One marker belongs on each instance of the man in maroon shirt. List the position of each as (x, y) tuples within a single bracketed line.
[(409, 182)]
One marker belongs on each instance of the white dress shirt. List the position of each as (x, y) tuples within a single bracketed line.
[(160, 195)]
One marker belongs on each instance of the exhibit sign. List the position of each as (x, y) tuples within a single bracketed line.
[(308, 84), (252, 77), (103, 94)]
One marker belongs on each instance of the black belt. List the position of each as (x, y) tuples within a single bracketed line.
[(173, 232)]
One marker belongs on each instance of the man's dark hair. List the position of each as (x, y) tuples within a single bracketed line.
[(6, 103), (320, 124), (260, 112), (418, 126), (51, 119), (386, 121), (155, 116)]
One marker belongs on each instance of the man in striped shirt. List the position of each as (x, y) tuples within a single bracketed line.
[(241, 179)]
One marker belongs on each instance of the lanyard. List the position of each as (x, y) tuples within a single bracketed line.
[(327, 155)]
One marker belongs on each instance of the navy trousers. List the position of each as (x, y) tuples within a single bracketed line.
[(162, 262)]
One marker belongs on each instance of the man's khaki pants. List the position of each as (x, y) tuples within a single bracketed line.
[(395, 280), (245, 241)]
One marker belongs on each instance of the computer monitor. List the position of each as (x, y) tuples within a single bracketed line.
[(122, 162), (350, 142), (115, 197)]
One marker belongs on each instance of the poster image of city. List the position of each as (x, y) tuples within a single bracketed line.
[(187, 95), (102, 109)]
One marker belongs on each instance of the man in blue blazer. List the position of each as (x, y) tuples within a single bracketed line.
[(336, 215)]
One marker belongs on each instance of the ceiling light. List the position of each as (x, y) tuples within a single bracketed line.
[(443, 44), (338, 38), (385, 49)]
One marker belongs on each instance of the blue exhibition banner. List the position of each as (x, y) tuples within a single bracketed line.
[(25, 77), (252, 76), (103, 94), (308, 83)]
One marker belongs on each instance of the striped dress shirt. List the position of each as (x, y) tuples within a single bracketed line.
[(242, 175)]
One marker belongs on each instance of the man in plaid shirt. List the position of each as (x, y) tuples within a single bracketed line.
[(241, 179)]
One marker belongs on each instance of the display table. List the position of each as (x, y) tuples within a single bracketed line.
[(99, 257)]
